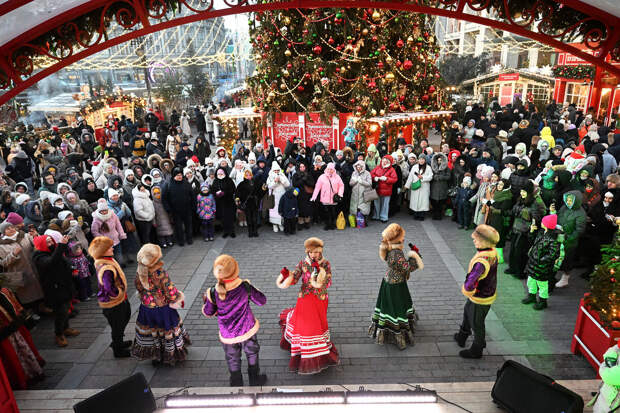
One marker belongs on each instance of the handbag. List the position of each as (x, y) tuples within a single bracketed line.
[(129, 226), (416, 185), (370, 195), (336, 198), (340, 222), (269, 201)]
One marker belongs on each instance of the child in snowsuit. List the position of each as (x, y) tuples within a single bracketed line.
[(230, 301), (544, 259), (205, 208), (82, 270), (463, 206), (289, 210), (162, 220)]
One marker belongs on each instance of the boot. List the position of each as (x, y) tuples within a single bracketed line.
[(256, 379), (71, 332), (474, 352), (460, 338), (541, 304), (121, 352), (127, 343), (530, 298), (500, 255), (236, 379), (563, 281), (61, 341)]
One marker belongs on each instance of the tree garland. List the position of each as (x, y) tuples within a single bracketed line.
[(574, 72)]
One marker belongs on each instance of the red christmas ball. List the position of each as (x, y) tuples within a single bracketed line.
[(408, 64), (425, 97), (382, 48), (266, 46), (300, 88), (372, 84), (337, 70), (403, 108), (305, 32), (352, 100), (401, 98), (431, 89), (331, 40), (290, 45), (374, 38), (289, 66), (307, 75), (400, 43), (340, 81), (380, 65)]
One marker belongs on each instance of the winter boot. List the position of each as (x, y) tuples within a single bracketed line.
[(460, 338), (120, 352), (563, 281), (474, 352), (256, 379), (61, 341), (530, 298), (236, 379), (541, 304), (500, 255)]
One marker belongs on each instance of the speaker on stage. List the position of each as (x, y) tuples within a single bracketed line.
[(519, 389), (132, 395)]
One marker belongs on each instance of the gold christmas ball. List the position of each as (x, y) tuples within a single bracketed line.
[(382, 112), (389, 77), (271, 95), (373, 112), (282, 86), (389, 59), (343, 69), (287, 53), (285, 73), (365, 32), (376, 15), (287, 20), (410, 40)]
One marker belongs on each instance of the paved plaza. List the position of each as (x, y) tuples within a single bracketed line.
[(537, 339)]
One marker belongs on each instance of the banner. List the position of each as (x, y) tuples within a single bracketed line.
[(317, 131), (285, 126)]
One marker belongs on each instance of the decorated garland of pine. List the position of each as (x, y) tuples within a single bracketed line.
[(574, 72)]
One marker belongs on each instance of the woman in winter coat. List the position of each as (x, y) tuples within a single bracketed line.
[(439, 184), (360, 182), (303, 180), (33, 214), (223, 189), (247, 197), (572, 218), (484, 174), (91, 193), (162, 219), (419, 198), (329, 185), (277, 183), (498, 216), (372, 157), (15, 256), (184, 121), (202, 150), (144, 211), (107, 224), (385, 177), (78, 207)]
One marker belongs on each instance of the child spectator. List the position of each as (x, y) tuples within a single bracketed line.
[(289, 210), (463, 206), (205, 208), (162, 220), (82, 270)]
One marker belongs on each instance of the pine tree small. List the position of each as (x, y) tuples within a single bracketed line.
[(604, 296)]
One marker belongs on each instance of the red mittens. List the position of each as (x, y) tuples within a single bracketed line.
[(285, 273)]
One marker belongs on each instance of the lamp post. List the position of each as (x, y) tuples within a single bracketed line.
[(141, 55)]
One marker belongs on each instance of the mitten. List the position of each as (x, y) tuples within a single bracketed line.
[(285, 273)]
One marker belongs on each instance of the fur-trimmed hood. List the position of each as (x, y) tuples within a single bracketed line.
[(435, 166)]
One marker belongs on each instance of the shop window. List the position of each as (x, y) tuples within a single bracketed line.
[(577, 93), (490, 91), (539, 92)]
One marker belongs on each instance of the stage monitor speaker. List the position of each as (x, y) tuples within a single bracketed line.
[(132, 395), (519, 389)]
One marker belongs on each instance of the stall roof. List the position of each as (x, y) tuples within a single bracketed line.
[(410, 116), (63, 103), (524, 73), (235, 113)]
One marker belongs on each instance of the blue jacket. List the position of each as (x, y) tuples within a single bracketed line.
[(288, 207)]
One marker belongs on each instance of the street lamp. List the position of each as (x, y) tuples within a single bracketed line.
[(141, 55)]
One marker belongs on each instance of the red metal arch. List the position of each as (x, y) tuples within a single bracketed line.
[(16, 70)]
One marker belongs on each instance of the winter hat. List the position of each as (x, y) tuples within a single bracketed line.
[(479, 133), (23, 185), (503, 134), (187, 171), (313, 244), (487, 234), (191, 163), (176, 171), (54, 197), (275, 166), (4, 226), (45, 195), (128, 172), (389, 158), (550, 221), (360, 163), (609, 194), (393, 234), (63, 185), (515, 125), (204, 185), (62, 215), (56, 236), (22, 199), (99, 246), (467, 180), (14, 218), (112, 192), (146, 177), (252, 157), (102, 205)]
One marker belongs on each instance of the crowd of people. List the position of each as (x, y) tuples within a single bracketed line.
[(545, 182)]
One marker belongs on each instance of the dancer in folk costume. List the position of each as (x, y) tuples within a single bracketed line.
[(305, 331), (230, 300), (394, 317), (160, 335)]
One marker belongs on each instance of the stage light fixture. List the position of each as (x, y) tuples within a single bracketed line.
[(305, 398), (390, 397), (210, 400)]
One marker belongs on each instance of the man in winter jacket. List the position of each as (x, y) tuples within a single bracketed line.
[(384, 176), (179, 201), (572, 218), (57, 281), (22, 170)]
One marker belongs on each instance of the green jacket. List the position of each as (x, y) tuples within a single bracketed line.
[(572, 220)]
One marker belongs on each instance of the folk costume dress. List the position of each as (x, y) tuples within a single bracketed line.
[(305, 331), (160, 334), (394, 318)]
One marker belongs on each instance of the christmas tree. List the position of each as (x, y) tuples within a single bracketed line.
[(365, 61), (604, 296)]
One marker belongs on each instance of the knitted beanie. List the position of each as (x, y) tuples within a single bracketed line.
[(550, 221), (14, 219), (112, 192), (99, 246)]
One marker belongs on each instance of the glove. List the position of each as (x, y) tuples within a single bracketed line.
[(376, 179), (285, 273)]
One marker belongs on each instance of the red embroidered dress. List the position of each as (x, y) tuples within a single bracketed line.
[(305, 331)]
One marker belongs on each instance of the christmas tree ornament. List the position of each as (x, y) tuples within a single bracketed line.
[(376, 16), (400, 43), (389, 77), (287, 53), (407, 64), (410, 40)]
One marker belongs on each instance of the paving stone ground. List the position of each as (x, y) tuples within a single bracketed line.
[(538, 339)]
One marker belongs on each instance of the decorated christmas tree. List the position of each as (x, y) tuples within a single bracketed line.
[(365, 61), (604, 296)]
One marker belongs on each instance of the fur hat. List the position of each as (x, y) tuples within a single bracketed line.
[(393, 234), (479, 133), (230, 267), (149, 255), (503, 134), (98, 247), (487, 234), (313, 244)]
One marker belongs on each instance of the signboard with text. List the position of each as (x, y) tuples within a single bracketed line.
[(317, 131), (508, 77), (285, 126)]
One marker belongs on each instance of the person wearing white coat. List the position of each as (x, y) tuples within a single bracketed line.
[(277, 183), (144, 211), (419, 198), (185, 124)]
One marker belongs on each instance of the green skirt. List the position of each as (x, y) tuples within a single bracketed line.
[(394, 318)]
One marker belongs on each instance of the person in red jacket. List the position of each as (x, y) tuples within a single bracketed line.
[(383, 177)]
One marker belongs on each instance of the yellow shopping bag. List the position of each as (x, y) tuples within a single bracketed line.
[(340, 222)]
